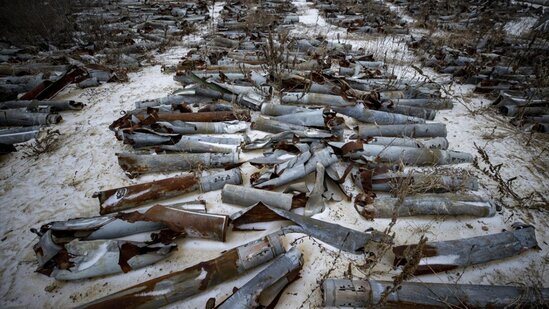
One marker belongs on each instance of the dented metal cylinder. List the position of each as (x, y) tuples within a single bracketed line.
[(410, 130), (313, 99), (425, 182), (363, 114), (135, 164), (431, 205), (411, 111), (179, 285), (437, 142), (270, 109), (17, 117), (244, 196), (182, 127), (32, 104), (200, 117), (118, 199), (412, 156), (425, 103), (313, 118), (17, 135), (451, 254), (274, 126), (193, 146), (368, 293), (282, 271)]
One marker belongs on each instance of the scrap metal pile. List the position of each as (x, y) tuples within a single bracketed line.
[(362, 16), (298, 109), (109, 40), (501, 47)]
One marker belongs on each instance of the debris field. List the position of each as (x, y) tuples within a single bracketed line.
[(275, 154)]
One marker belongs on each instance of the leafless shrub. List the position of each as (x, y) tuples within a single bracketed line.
[(413, 256), (533, 199), (46, 141)]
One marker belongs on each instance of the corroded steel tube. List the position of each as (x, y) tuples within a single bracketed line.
[(179, 285)]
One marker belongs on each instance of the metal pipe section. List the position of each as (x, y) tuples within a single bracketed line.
[(399, 130), (182, 284), (368, 293)]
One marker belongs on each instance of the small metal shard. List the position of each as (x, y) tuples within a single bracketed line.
[(315, 203)]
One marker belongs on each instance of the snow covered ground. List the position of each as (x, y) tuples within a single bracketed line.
[(58, 185)]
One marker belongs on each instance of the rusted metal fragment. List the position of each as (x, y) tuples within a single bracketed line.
[(189, 223), (48, 89), (18, 117), (431, 204), (368, 293), (324, 156), (55, 106), (243, 196), (136, 164), (451, 254), (409, 155), (84, 259), (409, 130), (145, 138), (262, 290), (179, 285), (118, 199), (201, 117), (112, 226), (129, 120), (315, 203), (335, 235)]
